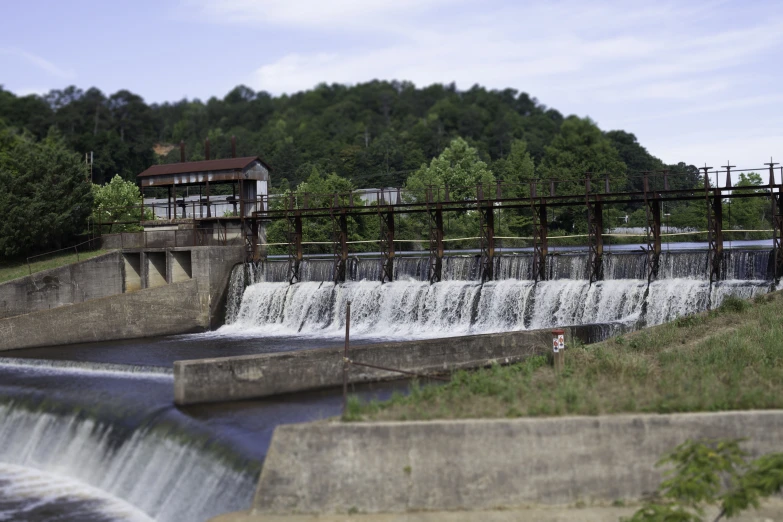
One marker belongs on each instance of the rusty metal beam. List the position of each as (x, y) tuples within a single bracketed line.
[(777, 223), (294, 238), (340, 241), (435, 213), (714, 228), (539, 235), (595, 231), (486, 212), (386, 217), (595, 224), (652, 209)]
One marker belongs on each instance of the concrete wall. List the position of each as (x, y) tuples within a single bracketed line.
[(213, 266), (157, 269), (75, 283), (132, 271), (171, 309), (485, 464), (248, 376), (112, 274)]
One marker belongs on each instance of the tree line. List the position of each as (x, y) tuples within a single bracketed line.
[(375, 134)]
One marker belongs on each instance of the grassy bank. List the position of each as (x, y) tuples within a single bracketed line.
[(726, 359), (17, 270)]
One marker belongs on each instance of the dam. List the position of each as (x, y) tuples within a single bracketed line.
[(133, 455)]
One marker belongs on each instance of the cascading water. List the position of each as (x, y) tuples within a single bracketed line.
[(411, 307), (144, 474)]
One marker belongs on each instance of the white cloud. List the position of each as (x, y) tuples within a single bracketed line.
[(619, 62), (335, 14), (39, 62)]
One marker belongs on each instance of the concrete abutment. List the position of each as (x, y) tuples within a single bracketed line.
[(41, 296)]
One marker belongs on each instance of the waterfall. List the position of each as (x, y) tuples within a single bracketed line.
[(44, 366), (410, 307), (157, 471)]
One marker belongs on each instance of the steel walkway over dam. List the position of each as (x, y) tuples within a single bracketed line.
[(591, 193)]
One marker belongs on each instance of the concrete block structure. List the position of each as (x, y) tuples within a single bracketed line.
[(39, 297), (482, 464)]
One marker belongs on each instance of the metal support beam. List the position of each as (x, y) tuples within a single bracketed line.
[(340, 243), (386, 215), (714, 229), (777, 222), (777, 234), (294, 239), (435, 213), (539, 238), (652, 209), (486, 210), (168, 204), (595, 231), (595, 224)]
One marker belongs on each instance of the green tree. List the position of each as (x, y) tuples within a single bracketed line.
[(117, 201), (44, 193), (317, 192), (516, 171), (748, 213), (711, 473), (457, 167), (580, 148), (637, 160)]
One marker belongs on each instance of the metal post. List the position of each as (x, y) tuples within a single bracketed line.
[(728, 167), (436, 242), (345, 353), (540, 248), (714, 228), (386, 216), (209, 207), (558, 349), (487, 239), (596, 239), (295, 254), (340, 241), (777, 222), (141, 218), (652, 209)]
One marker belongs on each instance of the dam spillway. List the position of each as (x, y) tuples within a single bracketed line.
[(262, 303), (113, 451)]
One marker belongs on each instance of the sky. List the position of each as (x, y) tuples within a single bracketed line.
[(695, 81)]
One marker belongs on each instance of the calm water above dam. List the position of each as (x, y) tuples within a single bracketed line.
[(90, 431)]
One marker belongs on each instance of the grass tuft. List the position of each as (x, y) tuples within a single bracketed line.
[(17, 270)]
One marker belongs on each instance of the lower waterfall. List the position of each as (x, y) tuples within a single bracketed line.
[(141, 475)]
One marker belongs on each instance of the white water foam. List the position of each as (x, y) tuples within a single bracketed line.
[(416, 309), (127, 371), (24, 490), (167, 479)]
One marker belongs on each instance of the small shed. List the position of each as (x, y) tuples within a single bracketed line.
[(248, 177)]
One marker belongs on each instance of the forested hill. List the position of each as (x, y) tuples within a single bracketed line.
[(374, 133)]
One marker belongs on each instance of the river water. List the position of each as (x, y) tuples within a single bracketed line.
[(89, 432)]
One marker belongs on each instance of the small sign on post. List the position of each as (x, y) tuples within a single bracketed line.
[(558, 349)]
